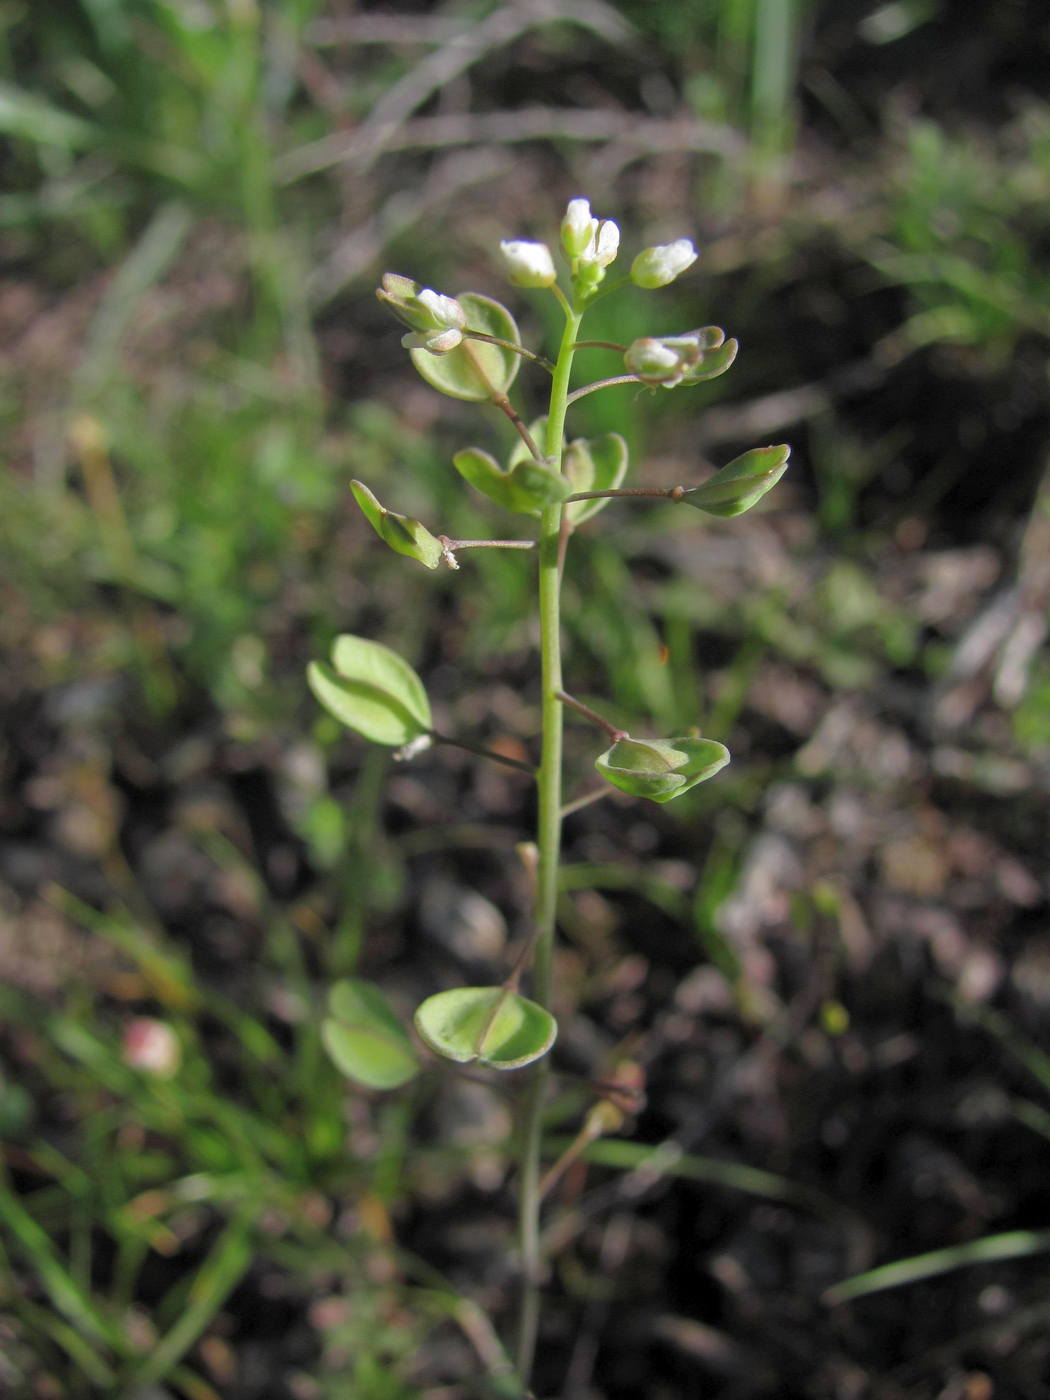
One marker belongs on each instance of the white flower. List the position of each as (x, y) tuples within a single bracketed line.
[(436, 321), (656, 267), (577, 228), (603, 246), (591, 243), (666, 360), (528, 264), (446, 311), (438, 342)]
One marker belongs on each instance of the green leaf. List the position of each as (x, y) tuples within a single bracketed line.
[(661, 769), (365, 1039), (741, 483), (474, 370), (714, 361), (402, 533), (370, 689), (487, 1024), (593, 464), (526, 487)]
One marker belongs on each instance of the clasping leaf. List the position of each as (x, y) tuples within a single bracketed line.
[(490, 1025), (365, 1039), (475, 370), (402, 533), (740, 483), (527, 486), (661, 769), (370, 689), (593, 464)]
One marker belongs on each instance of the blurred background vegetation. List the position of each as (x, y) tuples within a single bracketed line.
[(835, 963)]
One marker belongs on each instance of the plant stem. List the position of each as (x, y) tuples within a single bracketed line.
[(601, 345), (548, 843), (505, 406), (603, 384), (655, 493), (486, 544), (513, 346), (578, 804), (613, 731), (482, 752)]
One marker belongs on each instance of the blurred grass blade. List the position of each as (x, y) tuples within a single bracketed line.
[(166, 970), (216, 1279), (79, 1350), (32, 119), (773, 75), (1014, 1244), (146, 263), (194, 1386), (1035, 1060), (54, 1277), (668, 1160)]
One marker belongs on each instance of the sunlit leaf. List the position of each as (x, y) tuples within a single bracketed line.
[(475, 370), (370, 689), (526, 487), (402, 533), (713, 362), (490, 1025), (365, 1039), (593, 464), (740, 483), (661, 769)]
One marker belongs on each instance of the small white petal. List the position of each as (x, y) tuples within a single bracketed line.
[(438, 342), (656, 267), (577, 228), (606, 243), (446, 311), (578, 213), (528, 264)]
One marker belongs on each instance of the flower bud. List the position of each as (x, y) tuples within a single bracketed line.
[(151, 1046), (444, 311), (577, 227), (528, 264), (675, 359), (665, 361), (656, 267), (436, 321), (437, 342), (604, 244)]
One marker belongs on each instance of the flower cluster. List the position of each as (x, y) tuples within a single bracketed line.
[(436, 322), (592, 245)]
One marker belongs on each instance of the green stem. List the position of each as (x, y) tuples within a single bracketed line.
[(601, 345), (514, 347), (603, 384), (454, 545), (548, 843), (612, 731), (482, 752), (505, 406), (655, 493)]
